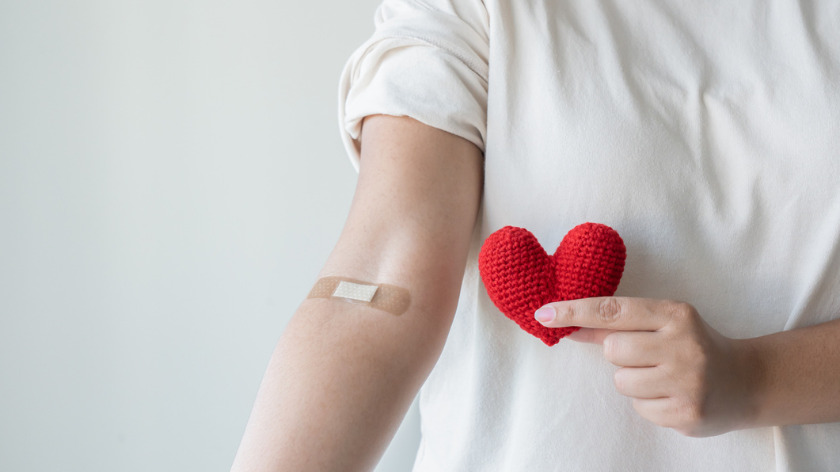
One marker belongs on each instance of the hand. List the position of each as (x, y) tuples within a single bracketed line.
[(680, 373)]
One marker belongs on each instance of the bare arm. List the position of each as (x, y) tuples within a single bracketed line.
[(683, 374), (796, 375), (343, 375)]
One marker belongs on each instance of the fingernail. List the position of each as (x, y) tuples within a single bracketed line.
[(545, 314)]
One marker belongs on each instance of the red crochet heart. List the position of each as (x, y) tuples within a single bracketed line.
[(520, 276)]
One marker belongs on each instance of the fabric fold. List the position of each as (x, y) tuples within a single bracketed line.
[(423, 61)]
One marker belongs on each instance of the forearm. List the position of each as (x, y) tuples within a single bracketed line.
[(796, 376), (337, 386)]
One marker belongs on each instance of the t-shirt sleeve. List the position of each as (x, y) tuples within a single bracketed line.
[(427, 60)]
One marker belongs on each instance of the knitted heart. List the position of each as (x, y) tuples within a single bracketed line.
[(520, 276)]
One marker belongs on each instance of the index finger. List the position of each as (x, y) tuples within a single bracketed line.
[(618, 313)]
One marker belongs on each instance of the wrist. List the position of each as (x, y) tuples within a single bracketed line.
[(752, 359)]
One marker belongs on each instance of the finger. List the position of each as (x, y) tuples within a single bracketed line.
[(618, 313), (670, 412), (634, 348), (660, 411), (590, 335), (641, 382)]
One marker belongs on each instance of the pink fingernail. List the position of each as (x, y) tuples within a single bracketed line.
[(545, 314)]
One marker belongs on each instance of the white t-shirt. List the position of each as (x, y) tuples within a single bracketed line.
[(706, 133)]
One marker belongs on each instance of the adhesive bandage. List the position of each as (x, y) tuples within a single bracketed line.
[(384, 297)]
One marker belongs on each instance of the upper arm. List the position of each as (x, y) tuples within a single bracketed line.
[(413, 212)]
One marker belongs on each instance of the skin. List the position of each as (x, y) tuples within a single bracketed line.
[(682, 374), (343, 374)]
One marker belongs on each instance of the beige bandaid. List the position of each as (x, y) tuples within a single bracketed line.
[(385, 297)]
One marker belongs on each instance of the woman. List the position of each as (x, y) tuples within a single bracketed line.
[(705, 133)]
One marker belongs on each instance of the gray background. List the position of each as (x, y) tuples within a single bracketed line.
[(171, 180)]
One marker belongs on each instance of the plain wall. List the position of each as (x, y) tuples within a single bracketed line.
[(171, 180)]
